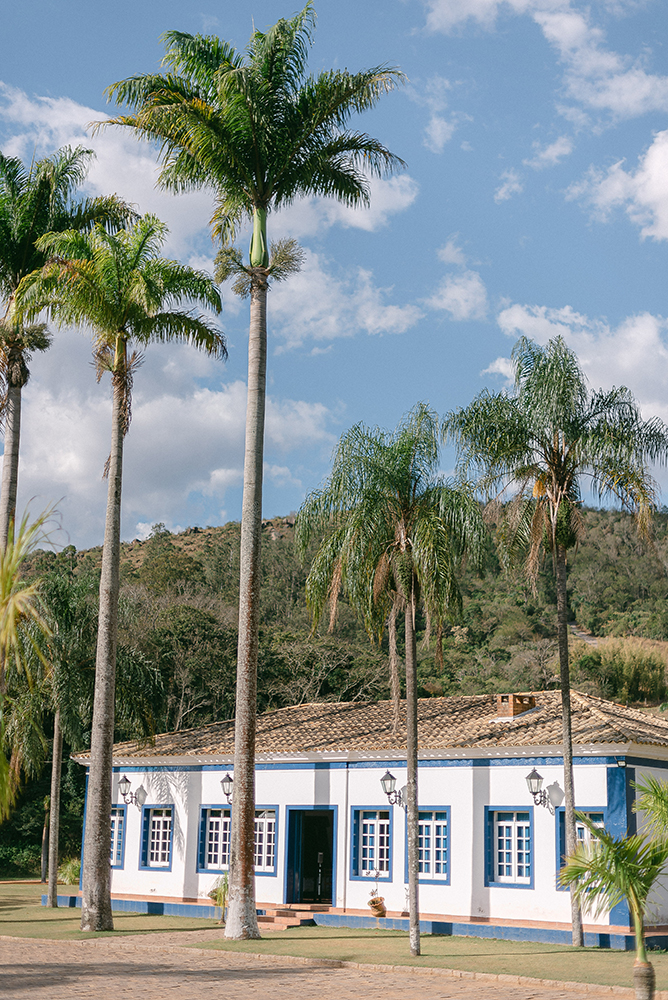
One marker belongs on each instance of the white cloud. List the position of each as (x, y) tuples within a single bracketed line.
[(184, 450), (634, 353), (319, 306), (451, 253), (438, 132), (643, 192), (435, 96), (463, 295), (444, 15), (502, 367), (311, 216), (594, 76), (550, 155), (511, 184)]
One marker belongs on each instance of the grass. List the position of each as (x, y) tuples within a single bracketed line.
[(518, 958), (21, 915)]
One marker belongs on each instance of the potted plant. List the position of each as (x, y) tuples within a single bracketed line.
[(376, 902)]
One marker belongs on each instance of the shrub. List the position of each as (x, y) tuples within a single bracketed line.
[(20, 862), (627, 670), (69, 871)]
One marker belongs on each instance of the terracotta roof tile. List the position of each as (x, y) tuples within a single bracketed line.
[(444, 724)]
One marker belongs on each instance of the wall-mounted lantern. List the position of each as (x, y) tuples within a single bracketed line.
[(137, 798), (226, 784), (388, 783), (535, 786)]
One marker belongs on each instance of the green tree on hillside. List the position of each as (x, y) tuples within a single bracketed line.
[(540, 442), (395, 533), (259, 132), (118, 285)]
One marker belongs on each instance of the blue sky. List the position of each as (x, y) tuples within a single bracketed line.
[(535, 201)]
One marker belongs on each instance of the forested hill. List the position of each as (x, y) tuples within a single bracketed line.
[(179, 608), (178, 639)]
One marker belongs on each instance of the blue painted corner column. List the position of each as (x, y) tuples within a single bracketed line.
[(620, 820)]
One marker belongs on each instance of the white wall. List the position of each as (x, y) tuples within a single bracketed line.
[(467, 790)]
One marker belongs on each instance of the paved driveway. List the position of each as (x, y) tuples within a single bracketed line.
[(141, 969)]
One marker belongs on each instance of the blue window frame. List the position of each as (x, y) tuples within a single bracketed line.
[(433, 846), (214, 838), (215, 829), (372, 843), (117, 846), (157, 837), (581, 831), (509, 847)]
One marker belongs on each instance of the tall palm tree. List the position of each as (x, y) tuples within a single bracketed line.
[(610, 869), (395, 532), (259, 132), (540, 442), (118, 285), (33, 202)]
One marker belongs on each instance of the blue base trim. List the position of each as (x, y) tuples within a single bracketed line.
[(153, 907), (545, 935)]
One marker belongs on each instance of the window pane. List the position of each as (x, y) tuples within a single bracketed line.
[(160, 831), (116, 849)]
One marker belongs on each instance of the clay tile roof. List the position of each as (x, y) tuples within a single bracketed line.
[(444, 724)]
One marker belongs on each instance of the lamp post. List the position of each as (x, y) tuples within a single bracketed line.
[(388, 783), (137, 798), (226, 784)]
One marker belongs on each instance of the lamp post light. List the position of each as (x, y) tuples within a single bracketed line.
[(137, 798), (226, 784), (388, 783)]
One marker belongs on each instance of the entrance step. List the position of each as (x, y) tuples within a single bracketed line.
[(297, 915)]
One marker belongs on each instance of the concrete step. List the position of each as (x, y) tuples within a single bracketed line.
[(281, 923)]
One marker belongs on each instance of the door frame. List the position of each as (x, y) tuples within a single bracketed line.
[(335, 825)]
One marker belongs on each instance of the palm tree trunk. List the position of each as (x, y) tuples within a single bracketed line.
[(45, 841), (10, 462), (54, 821), (644, 979), (241, 911), (395, 683), (569, 798), (96, 894), (412, 768)]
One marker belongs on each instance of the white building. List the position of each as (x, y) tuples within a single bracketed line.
[(489, 854)]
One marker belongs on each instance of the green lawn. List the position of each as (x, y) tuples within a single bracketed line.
[(582, 965), (22, 916)]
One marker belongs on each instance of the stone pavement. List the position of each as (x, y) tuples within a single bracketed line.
[(155, 967)]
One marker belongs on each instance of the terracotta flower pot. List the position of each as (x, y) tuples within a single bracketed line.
[(377, 904), (644, 980)]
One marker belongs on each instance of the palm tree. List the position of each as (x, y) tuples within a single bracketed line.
[(610, 869), (71, 610), (23, 629), (34, 202), (395, 532), (117, 284), (541, 441), (260, 133)]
